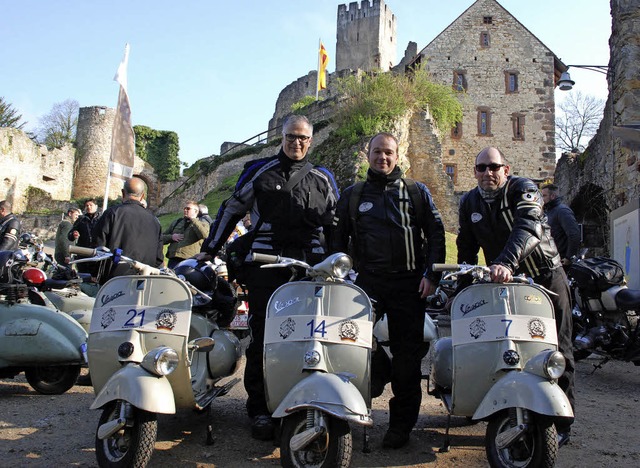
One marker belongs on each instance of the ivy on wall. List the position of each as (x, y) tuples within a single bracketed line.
[(160, 149)]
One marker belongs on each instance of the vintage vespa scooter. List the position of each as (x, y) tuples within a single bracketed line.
[(501, 365), (47, 345), (317, 345), (150, 354)]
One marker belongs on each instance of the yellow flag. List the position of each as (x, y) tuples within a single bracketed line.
[(323, 60)]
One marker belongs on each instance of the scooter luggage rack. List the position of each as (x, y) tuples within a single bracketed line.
[(12, 293)]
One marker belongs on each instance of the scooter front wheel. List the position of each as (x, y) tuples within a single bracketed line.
[(332, 449), (133, 444), (52, 380), (536, 447)]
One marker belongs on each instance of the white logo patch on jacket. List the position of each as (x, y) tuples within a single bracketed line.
[(476, 217), (365, 206)]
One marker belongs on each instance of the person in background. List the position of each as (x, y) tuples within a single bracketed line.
[(290, 220), (10, 227), (394, 270), (61, 252), (503, 215), (564, 227), (185, 235), (203, 214), (130, 227), (81, 234)]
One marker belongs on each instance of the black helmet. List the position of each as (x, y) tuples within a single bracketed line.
[(10, 263), (26, 238), (201, 274)]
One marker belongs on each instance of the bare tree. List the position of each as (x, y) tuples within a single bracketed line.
[(58, 127), (9, 116), (577, 121)]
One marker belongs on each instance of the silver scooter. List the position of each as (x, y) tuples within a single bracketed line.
[(317, 349), (149, 354), (501, 365), (47, 345)]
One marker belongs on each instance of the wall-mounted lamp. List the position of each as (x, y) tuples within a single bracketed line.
[(565, 83)]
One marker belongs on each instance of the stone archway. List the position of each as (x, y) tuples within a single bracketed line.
[(592, 213)]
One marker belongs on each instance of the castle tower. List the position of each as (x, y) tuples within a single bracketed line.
[(366, 36), (93, 150)]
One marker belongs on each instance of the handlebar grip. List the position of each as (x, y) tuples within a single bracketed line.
[(84, 251), (445, 267), (264, 258)]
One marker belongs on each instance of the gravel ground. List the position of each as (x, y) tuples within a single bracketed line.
[(45, 431)]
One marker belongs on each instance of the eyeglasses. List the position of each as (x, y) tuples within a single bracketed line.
[(493, 167), (291, 138)]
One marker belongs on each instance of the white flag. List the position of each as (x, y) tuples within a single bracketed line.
[(122, 139)]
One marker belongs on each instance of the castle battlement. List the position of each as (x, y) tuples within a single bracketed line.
[(363, 10)]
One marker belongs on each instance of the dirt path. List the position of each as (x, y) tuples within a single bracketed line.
[(46, 431)]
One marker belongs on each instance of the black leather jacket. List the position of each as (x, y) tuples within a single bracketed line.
[(388, 237), (9, 231), (512, 230), (84, 225), (291, 222)]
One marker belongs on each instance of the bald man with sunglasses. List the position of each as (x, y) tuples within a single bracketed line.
[(503, 215)]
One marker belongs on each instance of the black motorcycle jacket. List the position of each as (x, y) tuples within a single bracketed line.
[(511, 231), (289, 222), (9, 232), (386, 236), (84, 225), (564, 227)]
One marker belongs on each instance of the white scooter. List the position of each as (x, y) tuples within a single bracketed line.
[(149, 354), (317, 349), (501, 365)]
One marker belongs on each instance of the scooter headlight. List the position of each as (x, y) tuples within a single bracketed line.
[(161, 361), (547, 364), (554, 365), (341, 265)]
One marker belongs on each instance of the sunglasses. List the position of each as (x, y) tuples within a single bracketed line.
[(291, 138), (493, 167)]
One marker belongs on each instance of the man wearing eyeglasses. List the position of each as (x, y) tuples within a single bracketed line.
[(185, 235), (504, 216), (291, 203)]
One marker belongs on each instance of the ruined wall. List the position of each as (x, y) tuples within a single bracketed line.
[(26, 164), (511, 49), (366, 36), (607, 175)]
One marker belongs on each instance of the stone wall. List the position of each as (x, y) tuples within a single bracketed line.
[(366, 36), (26, 164), (607, 175), (512, 49)]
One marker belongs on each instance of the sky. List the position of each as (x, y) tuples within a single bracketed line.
[(212, 70)]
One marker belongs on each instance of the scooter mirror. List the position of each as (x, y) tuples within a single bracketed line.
[(202, 345)]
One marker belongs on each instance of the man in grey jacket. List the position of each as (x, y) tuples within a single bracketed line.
[(564, 227)]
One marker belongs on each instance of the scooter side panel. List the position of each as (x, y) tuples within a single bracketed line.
[(525, 390), (143, 390), (284, 358), (33, 334)]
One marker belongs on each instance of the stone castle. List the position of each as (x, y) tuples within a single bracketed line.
[(506, 77)]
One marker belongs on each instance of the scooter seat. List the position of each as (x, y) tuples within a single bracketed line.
[(51, 283), (628, 299)]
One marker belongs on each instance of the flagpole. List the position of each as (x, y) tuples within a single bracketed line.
[(319, 64)]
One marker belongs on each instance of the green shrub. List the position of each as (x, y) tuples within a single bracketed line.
[(160, 149)]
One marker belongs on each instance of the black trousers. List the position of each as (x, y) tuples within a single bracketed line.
[(261, 283), (397, 295), (556, 281)]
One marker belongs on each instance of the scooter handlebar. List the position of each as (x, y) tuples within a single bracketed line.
[(84, 251), (445, 267), (265, 258)]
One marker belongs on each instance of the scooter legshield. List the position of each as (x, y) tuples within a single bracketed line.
[(137, 386), (330, 393)]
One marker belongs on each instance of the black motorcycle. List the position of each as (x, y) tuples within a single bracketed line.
[(605, 311)]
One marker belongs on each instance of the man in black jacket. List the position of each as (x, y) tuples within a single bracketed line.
[(503, 215), (10, 227), (563, 224), (394, 269), (130, 227), (289, 221), (81, 233)]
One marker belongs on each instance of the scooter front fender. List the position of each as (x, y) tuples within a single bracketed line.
[(331, 393), (143, 390), (525, 390)]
